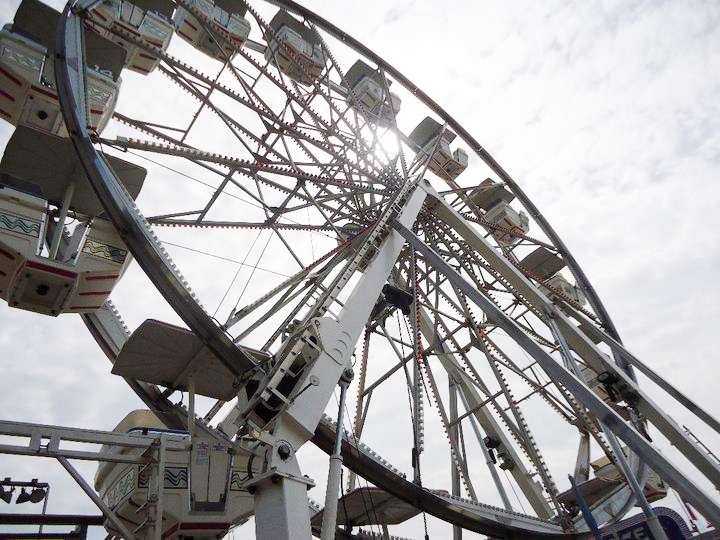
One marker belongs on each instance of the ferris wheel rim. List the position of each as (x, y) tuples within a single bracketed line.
[(218, 335)]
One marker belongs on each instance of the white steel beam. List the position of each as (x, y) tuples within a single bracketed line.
[(473, 400), (55, 435), (338, 337), (579, 342), (636, 441), (281, 510), (643, 368)]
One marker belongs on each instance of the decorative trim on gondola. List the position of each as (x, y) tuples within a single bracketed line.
[(17, 224), (105, 251)]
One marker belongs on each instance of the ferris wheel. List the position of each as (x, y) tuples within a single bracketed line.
[(342, 234)]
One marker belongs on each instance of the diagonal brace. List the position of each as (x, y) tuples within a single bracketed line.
[(667, 470)]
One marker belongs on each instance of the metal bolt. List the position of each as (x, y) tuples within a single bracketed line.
[(284, 451), (347, 376)]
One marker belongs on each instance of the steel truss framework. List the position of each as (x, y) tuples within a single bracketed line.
[(309, 166)]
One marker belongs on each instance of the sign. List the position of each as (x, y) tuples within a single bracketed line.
[(636, 527)]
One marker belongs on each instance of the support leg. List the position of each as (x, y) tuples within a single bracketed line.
[(281, 510)]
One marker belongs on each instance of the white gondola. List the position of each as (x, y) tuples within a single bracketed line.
[(27, 78), (217, 28), (609, 478), (295, 49), (542, 263), (559, 283), (513, 223), (654, 488), (489, 193), (370, 95), (443, 161), (43, 267), (149, 21), (201, 484), (206, 482)]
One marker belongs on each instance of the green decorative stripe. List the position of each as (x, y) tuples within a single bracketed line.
[(121, 489), (19, 225), (175, 478), (105, 251), (237, 478)]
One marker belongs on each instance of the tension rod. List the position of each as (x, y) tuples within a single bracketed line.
[(329, 522)]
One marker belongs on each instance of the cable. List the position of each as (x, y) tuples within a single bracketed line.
[(236, 275), (685, 510), (192, 178), (407, 379), (225, 258), (429, 398), (253, 272), (515, 492)]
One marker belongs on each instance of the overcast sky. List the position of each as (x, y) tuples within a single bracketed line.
[(606, 113)]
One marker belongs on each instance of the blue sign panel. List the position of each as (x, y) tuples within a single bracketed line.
[(636, 528)]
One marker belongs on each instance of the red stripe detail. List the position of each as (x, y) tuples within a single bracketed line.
[(170, 531), (191, 25), (148, 56), (94, 293), (5, 113), (128, 29), (212, 526), (11, 76), (4, 93), (84, 307), (98, 14), (141, 69), (191, 525), (183, 34), (91, 26), (51, 270), (96, 111), (94, 278), (8, 255), (43, 91)]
